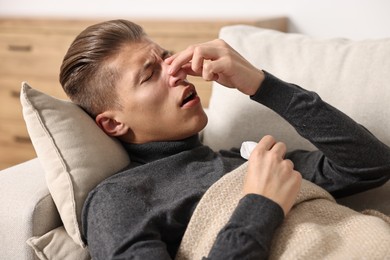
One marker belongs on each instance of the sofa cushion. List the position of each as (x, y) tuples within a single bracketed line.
[(350, 75), (72, 150), (57, 244)]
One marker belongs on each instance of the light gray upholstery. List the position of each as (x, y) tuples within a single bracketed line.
[(27, 209)]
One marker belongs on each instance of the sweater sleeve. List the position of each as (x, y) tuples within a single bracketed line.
[(119, 227), (249, 232), (349, 158)]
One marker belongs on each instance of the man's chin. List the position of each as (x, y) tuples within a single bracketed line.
[(202, 123)]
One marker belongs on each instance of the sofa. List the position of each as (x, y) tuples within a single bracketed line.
[(41, 199)]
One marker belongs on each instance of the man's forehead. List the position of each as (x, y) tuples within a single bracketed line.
[(136, 53), (145, 49)]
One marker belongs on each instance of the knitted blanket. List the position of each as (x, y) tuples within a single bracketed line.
[(316, 228)]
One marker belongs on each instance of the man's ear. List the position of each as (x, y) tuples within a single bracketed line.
[(109, 125)]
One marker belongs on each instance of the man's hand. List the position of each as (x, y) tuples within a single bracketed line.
[(216, 60), (272, 176)]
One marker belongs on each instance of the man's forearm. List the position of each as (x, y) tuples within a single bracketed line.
[(350, 158)]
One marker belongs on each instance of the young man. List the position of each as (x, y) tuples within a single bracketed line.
[(138, 93)]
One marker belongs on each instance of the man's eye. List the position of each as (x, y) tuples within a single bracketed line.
[(148, 77)]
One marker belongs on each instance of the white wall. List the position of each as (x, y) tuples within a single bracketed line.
[(356, 19)]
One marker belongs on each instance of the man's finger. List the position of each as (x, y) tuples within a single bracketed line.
[(178, 60), (266, 143), (280, 148), (195, 54)]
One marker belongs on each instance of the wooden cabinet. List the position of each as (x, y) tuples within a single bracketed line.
[(32, 50)]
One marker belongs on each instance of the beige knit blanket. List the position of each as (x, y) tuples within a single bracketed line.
[(316, 228)]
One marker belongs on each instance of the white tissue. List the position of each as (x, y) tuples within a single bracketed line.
[(247, 148)]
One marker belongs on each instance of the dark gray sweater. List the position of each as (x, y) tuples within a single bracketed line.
[(143, 211)]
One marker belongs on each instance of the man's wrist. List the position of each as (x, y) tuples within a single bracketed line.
[(274, 93), (258, 79)]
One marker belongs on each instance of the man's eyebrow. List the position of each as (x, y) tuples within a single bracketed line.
[(165, 54)]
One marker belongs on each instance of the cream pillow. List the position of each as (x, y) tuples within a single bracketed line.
[(57, 244), (351, 75), (74, 152)]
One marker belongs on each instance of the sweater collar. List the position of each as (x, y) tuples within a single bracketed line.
[(148, 152)]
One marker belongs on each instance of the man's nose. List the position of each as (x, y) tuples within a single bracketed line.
[(175, 79)]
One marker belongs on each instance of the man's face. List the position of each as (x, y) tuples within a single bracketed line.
[(156, 106)]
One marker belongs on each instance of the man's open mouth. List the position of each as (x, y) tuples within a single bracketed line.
[(188, 97)]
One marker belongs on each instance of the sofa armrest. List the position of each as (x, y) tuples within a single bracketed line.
[(27, 209)]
